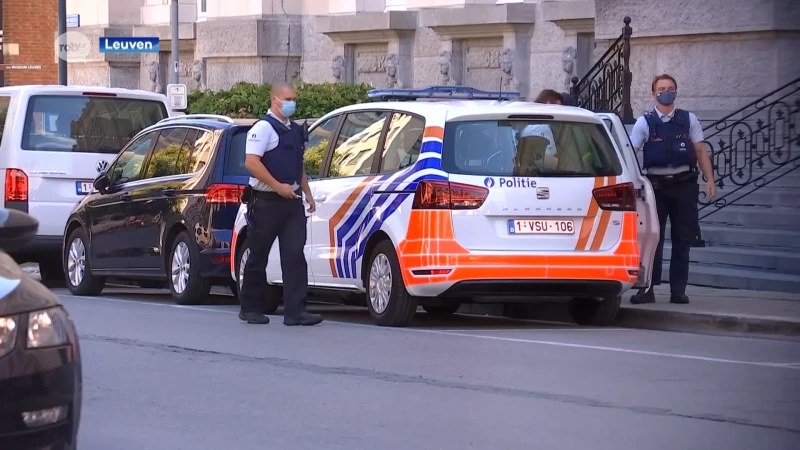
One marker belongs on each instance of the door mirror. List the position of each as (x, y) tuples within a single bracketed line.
[(17, 229), (102, 183)]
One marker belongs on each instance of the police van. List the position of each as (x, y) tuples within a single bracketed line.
[(55, 140), (449, 195)]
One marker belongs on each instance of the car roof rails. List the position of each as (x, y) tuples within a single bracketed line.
[(441, 92), (199, 117)]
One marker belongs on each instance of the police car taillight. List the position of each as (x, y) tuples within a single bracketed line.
[(619, 197), (446, 195), (224, 194)]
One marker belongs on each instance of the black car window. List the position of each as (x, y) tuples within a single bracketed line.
[(128, 165), (202, 145), (166, 153)]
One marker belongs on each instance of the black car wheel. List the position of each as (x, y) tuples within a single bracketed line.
[(77, 266), (185, 282)]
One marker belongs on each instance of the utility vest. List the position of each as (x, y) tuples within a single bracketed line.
[(670, 143), (285, 162)]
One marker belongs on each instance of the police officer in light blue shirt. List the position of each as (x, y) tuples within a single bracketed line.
[(671, 141), (274, 157)]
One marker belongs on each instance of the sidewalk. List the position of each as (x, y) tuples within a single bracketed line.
[(717, 311)]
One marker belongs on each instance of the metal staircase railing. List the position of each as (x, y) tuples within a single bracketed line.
[(607, 85), (754, 146)]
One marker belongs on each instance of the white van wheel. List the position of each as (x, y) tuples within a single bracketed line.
[(388, 301)]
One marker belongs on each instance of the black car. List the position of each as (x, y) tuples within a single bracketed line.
[(163, 212), (40, 358)]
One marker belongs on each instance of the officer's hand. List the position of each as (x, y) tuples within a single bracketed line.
[(312, 205), (286, 191), (711, 189)]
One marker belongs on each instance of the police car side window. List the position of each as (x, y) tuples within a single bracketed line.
[(403, 142), (357, 144), (317, 145)]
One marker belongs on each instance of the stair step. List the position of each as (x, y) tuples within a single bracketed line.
[(760, 237), (755, 217), (766, 196), (736, 278), (784, 260)]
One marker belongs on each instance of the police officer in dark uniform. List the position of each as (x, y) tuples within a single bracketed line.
[(672, 147), (274, 157)]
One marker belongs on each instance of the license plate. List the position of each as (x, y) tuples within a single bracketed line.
[(527, 226), (84, 187)]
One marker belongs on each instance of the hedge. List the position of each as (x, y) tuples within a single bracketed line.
[(249, 100)]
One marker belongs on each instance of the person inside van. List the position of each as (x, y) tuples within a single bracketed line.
[(532, 157)]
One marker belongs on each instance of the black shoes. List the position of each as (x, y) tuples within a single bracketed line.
[(252, 317), (680, 299), (643, 297), (303, 319)]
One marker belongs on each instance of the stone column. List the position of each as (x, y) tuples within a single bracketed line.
[(451, 62), (400, 52), (515, 62)]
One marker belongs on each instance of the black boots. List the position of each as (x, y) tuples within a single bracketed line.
[(643, 297)]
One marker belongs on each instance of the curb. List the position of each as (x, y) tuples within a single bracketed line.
[(707, 323)]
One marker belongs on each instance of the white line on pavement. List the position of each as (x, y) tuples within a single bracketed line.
[(456, 333)]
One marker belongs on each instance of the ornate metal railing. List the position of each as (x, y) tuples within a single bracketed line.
[(607, 85), (754, 147)]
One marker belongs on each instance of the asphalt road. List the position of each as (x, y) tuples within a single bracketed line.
[(160, 376)]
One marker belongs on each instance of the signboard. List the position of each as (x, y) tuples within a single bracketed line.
[(177, 96), (73, 20)]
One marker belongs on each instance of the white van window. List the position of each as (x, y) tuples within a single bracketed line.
[(4, 102), (86, 124), (529, 148)]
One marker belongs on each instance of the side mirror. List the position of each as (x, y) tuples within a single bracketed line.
[(102, 183), (17, 229)]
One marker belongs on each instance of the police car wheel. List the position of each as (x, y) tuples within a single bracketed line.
[(594, 312), (78, 266), (388, 301), (185, 282), (274, 294)]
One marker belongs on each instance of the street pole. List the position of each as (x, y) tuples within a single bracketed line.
[(174, 23), (62, 40)]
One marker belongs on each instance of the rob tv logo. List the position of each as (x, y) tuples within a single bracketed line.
[(129, 45)]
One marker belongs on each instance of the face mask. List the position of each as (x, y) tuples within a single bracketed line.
[(666, 98), (287, 108)]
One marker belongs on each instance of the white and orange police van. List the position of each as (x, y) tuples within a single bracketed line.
[(448, 195)]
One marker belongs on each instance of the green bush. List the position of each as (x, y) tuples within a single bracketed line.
[(249, 100)]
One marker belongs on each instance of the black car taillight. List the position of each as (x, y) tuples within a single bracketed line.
[(619, 197), (224, 194), (447, 195)]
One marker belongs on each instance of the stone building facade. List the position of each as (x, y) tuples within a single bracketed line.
[(724, 53)]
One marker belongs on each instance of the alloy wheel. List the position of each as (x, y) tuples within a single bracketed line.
[(180, 268), (380, 283), (76, 261)]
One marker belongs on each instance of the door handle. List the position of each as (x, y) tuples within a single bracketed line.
[(126, 197), (320, 198), (169, 192)]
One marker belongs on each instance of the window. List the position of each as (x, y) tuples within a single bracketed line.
[(317, 144), (201, 146), (4, 102), (529, 148), (166, 155), (128, 165), (203, 6), (403, 142), (356, 145), (76, 123)]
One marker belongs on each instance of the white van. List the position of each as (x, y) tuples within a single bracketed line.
[(54, 140)]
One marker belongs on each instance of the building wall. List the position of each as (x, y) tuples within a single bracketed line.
[(32, 26)]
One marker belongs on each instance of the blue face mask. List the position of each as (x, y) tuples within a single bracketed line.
[(287, 108), (666, 98)]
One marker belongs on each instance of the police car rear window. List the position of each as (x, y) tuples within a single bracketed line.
[(533, 148)]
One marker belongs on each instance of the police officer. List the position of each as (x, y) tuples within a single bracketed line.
[(274, 157), (672, 147)]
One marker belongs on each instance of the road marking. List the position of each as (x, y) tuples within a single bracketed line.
[(795, 366)]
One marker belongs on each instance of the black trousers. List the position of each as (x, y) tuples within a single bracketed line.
[(676, 201), (274, 217)]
